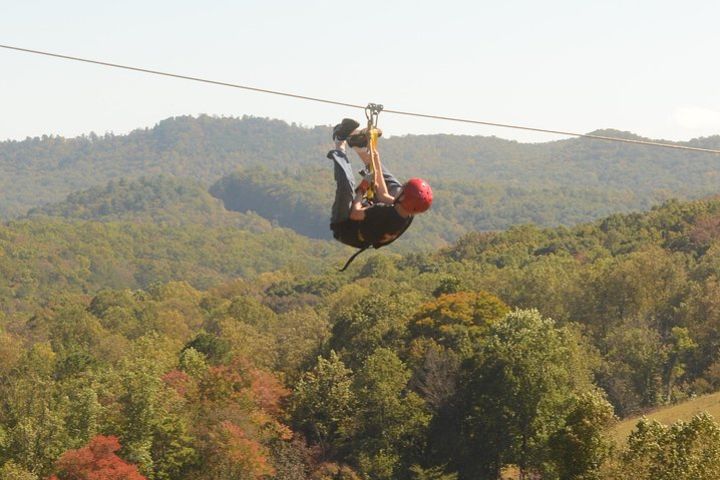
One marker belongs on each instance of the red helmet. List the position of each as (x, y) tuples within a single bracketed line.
[(416, 196)]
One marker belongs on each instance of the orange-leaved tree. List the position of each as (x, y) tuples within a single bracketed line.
[(96, 461)]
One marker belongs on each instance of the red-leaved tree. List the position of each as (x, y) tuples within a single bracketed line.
[(96, 461)]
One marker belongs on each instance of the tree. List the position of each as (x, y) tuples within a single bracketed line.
[(456, 320), (299, 338), (580, 447), (681, 347), (141, 410), (370, 322), (323, 404), (391, 419), (233, 455), (33, 414), (96, 461), (10, 350), (682, 450), (12, 471), (516, 391), (252, 312), (435, 473), (153, 418), (632, 373), (641, 285)]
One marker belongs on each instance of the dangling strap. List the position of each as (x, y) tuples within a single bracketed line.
[(350, 260)]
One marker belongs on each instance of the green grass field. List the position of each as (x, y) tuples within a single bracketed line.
[(667, 415)]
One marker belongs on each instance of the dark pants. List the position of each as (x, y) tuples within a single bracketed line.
[(345, 186)]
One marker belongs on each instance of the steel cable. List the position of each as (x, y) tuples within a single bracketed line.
[(351, 105)]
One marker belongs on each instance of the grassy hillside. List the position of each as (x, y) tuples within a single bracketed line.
[(668, 415)]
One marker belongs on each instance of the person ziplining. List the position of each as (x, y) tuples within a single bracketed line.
[(379, 210)]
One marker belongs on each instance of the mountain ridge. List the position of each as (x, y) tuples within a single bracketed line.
[(558, 182)]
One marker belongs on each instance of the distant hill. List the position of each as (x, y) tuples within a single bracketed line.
[(481, 183), (159, 200), (37, 171), (254, 199), (301, 201)]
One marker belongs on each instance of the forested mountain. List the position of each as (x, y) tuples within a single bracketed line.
[(254, 198), (490, 183), (160, 200), (302, 202), (42, 170)]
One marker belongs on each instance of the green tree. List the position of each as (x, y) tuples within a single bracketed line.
[(516, 391), (373, 321), (391, 419), (632, 373), (12, 471), (323, 404), (580, 447), (140, 403), (682, 450), (33, 414), (681, 347), (434, 473), (154, 425), (299, 336)]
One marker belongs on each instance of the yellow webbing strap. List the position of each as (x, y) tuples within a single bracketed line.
[(372, 146), (371, 112)]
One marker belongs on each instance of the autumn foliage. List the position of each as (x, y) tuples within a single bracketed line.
[(235, 455), (96, 461)]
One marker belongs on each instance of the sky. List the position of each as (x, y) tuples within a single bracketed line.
[(649, 67)]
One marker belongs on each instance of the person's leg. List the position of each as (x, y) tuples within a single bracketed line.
[(392, 183), (344, 186)]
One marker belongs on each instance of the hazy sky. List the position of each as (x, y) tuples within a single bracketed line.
[(650, 67)]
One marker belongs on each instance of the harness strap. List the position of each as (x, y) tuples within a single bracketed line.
[(372, 111), (350, 260), (372, 145)]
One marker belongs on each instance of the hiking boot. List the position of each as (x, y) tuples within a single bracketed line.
[(360, 139), (343, 129)]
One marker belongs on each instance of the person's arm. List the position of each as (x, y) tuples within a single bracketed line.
[(381, 191)]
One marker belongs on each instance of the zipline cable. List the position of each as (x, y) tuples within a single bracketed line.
[(558, 132), (183, 77), (351, 105)]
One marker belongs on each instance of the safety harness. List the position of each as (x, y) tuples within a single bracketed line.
[(372, 112)]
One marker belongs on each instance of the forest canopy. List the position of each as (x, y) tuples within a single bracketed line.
[(157, 326)]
